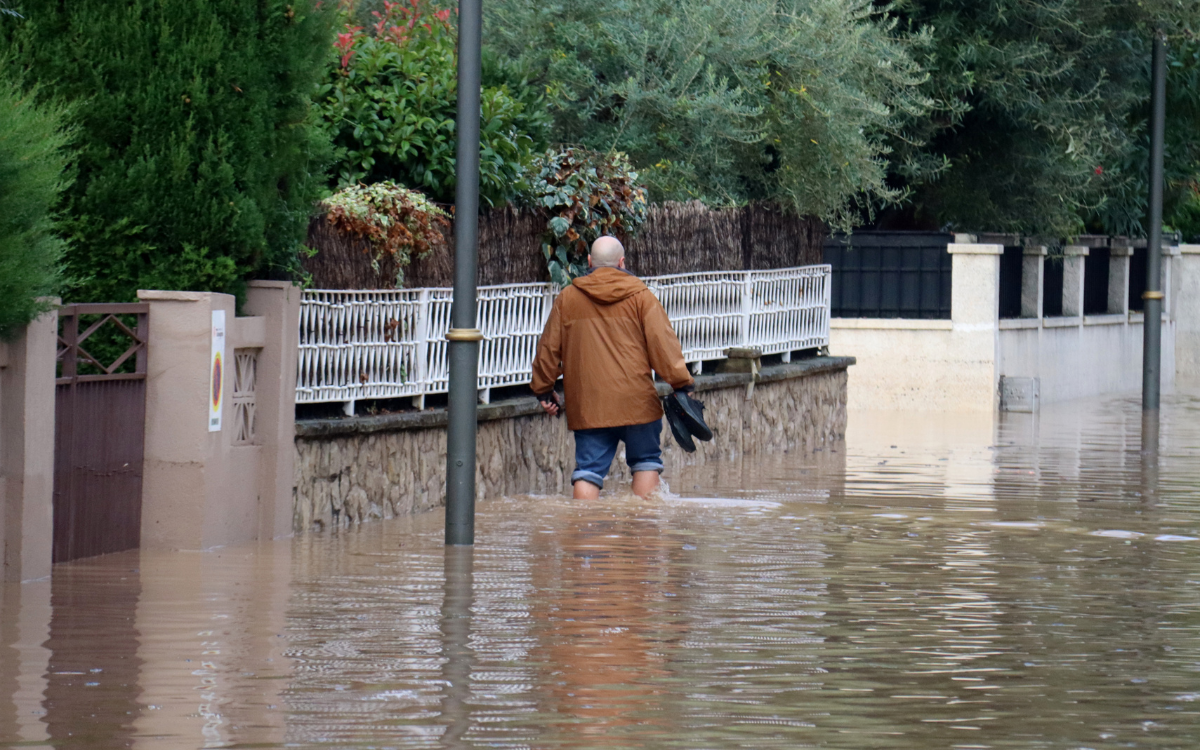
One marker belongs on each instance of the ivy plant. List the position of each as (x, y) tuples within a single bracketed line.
[(585, 195)]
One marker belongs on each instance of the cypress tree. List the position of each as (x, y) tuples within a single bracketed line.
[(197, 154)]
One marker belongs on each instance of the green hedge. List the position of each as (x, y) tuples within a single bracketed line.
[(198, 162), (33, 162)]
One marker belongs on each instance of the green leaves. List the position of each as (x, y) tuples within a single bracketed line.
[(196, 163), (788, 101), (33, 172), (398, 222), (586, 195), (1040, 111), (389, 105)]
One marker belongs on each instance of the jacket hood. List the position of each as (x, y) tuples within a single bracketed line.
[(608, 285)]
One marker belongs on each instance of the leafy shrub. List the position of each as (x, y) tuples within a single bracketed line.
[(198, 165), (585, 195), (33, 162), (398, 222), (389, 103)]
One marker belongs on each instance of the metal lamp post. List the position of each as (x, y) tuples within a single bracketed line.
[(1153, 296), (464, 337)]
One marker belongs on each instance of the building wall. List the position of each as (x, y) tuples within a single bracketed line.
[(354, 470)]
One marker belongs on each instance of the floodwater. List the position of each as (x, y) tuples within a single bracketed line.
[(941, 582)]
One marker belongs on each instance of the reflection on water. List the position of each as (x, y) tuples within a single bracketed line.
[(942, 581)]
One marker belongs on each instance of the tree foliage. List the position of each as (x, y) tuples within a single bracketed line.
[(33, 172), (389, 101), (789, 101), (1039, 113), (198, 164)]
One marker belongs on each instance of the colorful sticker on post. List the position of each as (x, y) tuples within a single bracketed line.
[(216, 374)]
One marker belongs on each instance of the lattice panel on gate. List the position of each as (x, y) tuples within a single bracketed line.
[(389, 344)]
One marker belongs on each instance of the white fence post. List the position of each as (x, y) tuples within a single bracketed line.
[(747, 288), (421, 356)]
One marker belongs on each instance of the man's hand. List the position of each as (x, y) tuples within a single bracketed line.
[(550, 403)]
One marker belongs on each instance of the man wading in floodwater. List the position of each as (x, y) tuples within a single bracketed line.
[(605, 335)]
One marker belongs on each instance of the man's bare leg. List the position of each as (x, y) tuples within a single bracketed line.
[(585, 490), (644, 482)]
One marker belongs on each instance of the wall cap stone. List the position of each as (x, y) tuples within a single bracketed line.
[(528, 405), (960, 248), (156, 295)]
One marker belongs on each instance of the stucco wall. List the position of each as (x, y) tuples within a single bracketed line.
[(932, 365), (354, 470), (27, 451), (1077, 358), (956, 365)]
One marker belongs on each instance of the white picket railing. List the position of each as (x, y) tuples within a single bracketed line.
[(391, 344)]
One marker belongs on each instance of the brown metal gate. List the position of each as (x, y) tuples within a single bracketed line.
[(100, 415)]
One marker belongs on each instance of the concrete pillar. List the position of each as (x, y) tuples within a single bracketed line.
[(975, 319), (27, 450), (201, 488), (1121, 253), (278, 303), (1186, 287), (1170, 264), (1033, 269), (1073, 265)]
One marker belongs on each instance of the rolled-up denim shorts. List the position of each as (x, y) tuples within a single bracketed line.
[(595, 449)]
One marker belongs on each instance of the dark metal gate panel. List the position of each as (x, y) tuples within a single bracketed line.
[(100, 410), (890, 274)]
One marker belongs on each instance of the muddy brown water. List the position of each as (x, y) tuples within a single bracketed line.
[(938, 582)]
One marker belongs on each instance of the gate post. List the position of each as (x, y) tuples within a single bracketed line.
[(27, 450), (278, 304), (209, 481)]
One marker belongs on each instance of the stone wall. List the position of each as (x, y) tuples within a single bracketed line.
[(357, 469)]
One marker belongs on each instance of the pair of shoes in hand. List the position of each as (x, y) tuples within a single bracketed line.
[(685, 415)]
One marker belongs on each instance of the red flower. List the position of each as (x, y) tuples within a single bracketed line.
[(345, 42), (1099, 170)]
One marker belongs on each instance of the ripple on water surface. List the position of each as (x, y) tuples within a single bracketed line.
[(936, 582)]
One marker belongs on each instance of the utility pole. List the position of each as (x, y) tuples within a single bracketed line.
[(464, 337), (1153, 296)]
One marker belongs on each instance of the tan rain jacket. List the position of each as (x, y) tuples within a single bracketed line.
[(605, 334)]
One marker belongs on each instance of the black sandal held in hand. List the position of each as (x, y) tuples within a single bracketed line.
[(685, 415), (691, 413)]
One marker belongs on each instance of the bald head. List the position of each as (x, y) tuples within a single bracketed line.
[(607, 252)]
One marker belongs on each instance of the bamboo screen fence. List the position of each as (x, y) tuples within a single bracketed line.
[(676, 238)]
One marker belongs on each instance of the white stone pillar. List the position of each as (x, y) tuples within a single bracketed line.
[(1073, 270), (1119, 259), (1033, 274), (975, 316), (1186, 298)]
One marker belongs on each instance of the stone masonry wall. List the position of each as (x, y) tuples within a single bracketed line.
[(353, 476)]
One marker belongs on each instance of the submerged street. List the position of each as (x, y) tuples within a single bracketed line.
[(943, 581)]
